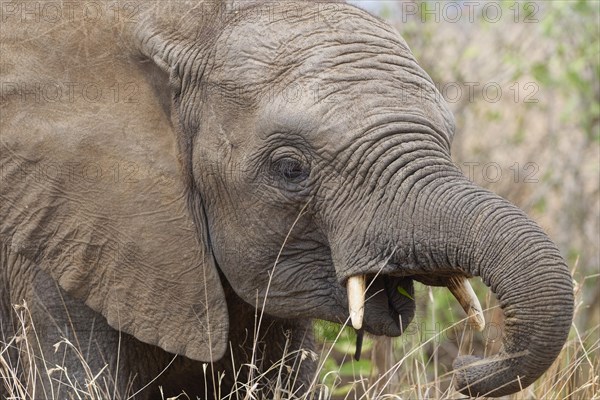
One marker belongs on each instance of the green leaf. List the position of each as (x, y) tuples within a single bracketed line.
[(541, 74), (343, 391), (329, 366), (356, 368), (540, 205), (404, 293), (347, 343), (493, 115), (582, 7), (326, 331)]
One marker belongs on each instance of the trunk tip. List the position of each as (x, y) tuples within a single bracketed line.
[(476, 377)]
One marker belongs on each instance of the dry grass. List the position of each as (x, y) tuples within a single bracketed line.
[(415, 366), (20, 360)]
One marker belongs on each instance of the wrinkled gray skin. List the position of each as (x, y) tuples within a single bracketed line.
[(313, 140)]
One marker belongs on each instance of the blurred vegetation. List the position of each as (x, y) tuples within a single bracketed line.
[(534, 141)]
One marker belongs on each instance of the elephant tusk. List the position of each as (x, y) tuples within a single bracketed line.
[(460, 288), (356, 299)]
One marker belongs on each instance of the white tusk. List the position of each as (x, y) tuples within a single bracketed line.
[(461, 289), (356, 299)]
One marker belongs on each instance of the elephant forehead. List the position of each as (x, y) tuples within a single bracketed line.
[(349, 114), (342, 67), (280, 47)]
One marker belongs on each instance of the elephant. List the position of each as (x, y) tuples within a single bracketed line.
[(187, 185)]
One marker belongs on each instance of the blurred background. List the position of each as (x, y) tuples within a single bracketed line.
[(523, 81)]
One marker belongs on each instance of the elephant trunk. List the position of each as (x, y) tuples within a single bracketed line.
[(444, 226), (483, 235)]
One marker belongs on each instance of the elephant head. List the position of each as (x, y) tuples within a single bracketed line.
[(315, 156), (323, 159)]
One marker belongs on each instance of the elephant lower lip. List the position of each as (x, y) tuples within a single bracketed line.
[(389, 305)]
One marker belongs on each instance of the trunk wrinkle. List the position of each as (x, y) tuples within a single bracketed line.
[(472, 230)]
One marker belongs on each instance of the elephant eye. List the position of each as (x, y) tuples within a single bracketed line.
[(291, 169)]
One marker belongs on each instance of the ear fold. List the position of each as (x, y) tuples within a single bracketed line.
[(94, 193)]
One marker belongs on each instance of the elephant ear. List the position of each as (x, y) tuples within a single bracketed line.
[(93, 189)]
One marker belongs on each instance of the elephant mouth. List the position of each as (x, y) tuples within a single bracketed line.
[(384, 305), (381, 305)]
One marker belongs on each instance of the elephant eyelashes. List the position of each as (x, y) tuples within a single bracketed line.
[(289, 165), (291, 170)]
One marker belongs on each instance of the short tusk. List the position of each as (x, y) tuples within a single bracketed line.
[(461, 289), (356, 299)]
